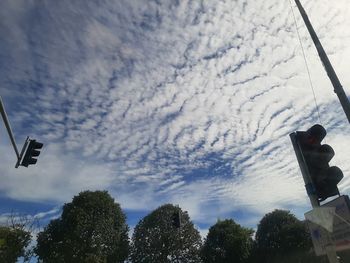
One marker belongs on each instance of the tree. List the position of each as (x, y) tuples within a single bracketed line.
[(227, 242), (91, 228), (157, 238), (15, 237), (13, 241), (281, 237)]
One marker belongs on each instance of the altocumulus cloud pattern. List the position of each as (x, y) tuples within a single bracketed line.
[(189, 102)]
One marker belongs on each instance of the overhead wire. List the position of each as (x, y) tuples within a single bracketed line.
[(306, 64)]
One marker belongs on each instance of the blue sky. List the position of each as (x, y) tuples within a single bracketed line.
[(183, 102)]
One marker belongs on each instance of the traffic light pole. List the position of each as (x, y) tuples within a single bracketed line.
[(330, 249), (8, 128), (338, 89)]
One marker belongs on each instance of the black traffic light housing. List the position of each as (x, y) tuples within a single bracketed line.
[(31, 153), (316, 157), (176, 219)]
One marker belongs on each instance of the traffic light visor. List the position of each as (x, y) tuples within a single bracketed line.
[(316, 134), (335, 174), (37, 145), (326, 153)]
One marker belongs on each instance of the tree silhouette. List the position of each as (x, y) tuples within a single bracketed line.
[(227, 242), (91, 228), (13, 241), (157, 238), (281, 237)]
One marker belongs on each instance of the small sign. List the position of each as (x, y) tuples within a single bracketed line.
[(329, 224)]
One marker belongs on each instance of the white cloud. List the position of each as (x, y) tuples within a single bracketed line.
[(142, 99)]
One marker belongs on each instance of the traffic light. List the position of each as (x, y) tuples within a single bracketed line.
[(176, 219), (316, 157), (31, 152)]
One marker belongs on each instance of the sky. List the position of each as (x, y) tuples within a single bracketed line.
[(182, 102)]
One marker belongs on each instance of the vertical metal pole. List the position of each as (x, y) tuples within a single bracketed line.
[(338, 89), (331, 254), (8, 127), (330, 249)]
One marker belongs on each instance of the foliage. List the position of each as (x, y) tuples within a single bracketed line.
[(91, 228), (156, 239), (13, 241), (282, 237), (227, 242)]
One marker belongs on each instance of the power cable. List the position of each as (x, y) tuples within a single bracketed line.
[(306, 64)]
